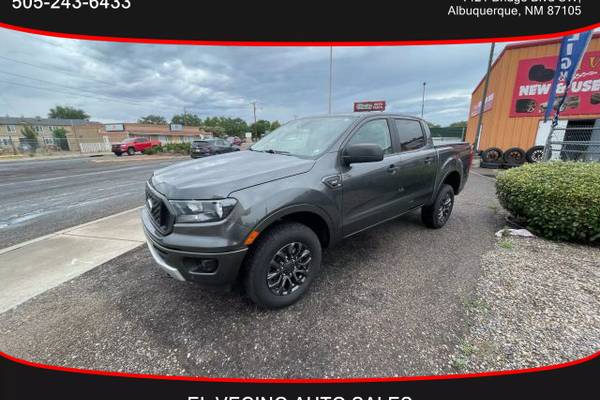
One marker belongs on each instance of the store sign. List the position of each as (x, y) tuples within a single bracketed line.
[(489, 100), (176, 127), (360, 106), (114, 127), (534, 79)]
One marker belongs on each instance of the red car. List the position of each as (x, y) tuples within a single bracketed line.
[(133, 145)]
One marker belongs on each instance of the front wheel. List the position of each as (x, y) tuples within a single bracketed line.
[(282, 265), (131, 151), (436, 215)]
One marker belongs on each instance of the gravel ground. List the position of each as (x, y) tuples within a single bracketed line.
[(537, 303)]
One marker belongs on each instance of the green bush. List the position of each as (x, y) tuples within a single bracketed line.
[(173, 148), (558, 200)]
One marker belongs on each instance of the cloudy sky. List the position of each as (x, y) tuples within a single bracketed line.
[(116, 82)]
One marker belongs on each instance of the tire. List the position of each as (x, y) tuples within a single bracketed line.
[(525, 106), (131, 151), (491, 155), (436, 215), (118, 154), (514, 156), (266, 257), (535, 154)]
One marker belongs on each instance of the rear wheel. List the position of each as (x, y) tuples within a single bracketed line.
[(436, 215), (131, 151), (282, 265)]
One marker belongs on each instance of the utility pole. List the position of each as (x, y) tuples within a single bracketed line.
[(423, 100), (254, 112), (483, 96), (330, 76), (184, 115)]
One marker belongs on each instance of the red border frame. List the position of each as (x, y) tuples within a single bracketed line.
[(301, 380), (302, 43)]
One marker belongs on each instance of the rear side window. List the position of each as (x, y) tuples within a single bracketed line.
[(375, 132), (410, 134)]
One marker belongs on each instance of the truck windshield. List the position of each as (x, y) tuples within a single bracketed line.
[(307, 137)]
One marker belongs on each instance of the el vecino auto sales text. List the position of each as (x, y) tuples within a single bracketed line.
[(201, 397), (515, 8)]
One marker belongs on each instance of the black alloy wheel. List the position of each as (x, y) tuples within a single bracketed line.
[(131, 151), (289, 268), (445, 208)]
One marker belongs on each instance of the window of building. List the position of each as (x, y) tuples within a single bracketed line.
[(38, 128), (48, 140), (11, 128), (410, 134), (375, 132)]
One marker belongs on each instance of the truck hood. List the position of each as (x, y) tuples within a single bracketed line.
[(216, 177)]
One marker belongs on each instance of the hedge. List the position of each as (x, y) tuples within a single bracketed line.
[(178, 148), (557, 200)]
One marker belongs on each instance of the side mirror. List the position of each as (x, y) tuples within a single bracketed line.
[(364, 152)]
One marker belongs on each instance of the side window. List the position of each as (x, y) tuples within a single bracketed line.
[(410, 134), (376, 132)]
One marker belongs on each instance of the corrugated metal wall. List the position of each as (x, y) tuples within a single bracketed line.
[(499, 129)]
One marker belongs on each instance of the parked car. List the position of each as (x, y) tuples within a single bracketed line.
[(210, 147), (234, 140), (133, 145), (264, 215)]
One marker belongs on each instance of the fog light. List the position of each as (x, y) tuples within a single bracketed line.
[(200, 265)]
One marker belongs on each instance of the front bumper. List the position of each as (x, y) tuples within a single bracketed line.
[(188, 266)]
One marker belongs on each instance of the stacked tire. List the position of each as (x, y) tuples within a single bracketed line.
[(513, 157)]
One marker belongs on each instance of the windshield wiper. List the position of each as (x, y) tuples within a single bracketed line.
[(271, 151)]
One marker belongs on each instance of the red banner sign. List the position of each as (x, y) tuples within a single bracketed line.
[(369, 106), (534, 78)]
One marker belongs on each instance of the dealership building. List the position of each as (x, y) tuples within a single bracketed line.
[(517, 96)]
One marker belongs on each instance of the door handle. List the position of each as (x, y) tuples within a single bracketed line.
[(428, 160), (392, 169)]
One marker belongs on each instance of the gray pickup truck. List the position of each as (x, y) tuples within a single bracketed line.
[(264, 215)]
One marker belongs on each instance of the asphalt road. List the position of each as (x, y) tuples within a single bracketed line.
[(390, 301), (42, 197)]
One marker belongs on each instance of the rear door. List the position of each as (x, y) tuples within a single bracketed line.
[(417, 163), (370, 190), (142, 143)]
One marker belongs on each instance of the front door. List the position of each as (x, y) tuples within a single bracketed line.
[(370, 189)]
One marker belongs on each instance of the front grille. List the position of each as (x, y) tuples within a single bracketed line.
[(159, 212)]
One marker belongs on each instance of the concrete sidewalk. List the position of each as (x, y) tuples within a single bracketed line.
[(30, 268)]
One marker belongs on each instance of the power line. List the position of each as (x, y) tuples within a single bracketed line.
[(48, 67), (125, 99), (70, 94)]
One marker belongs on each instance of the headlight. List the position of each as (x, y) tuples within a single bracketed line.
[(202, 210)]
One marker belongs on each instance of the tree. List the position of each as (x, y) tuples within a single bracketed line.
[(61, 135), (459, 124), (231, 126), (432, 125), (31, 138), (187, 119), (260, 127), (67, 112), (274, 125), (152, 119)]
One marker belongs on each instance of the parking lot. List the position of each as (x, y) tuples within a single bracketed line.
[(389, 301)]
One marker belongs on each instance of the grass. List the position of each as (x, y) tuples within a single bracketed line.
[(505, 244)]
